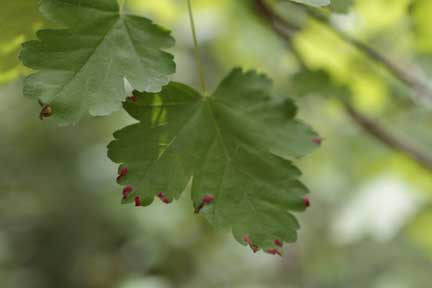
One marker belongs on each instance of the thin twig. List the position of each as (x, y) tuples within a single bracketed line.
[(375, 129), (282, 27), (409, 77), (368, 125), (199, 64)]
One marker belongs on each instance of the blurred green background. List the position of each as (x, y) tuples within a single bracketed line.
[(370, 224)]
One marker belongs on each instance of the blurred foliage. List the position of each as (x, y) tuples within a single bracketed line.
[(19, 19), (61, 224)]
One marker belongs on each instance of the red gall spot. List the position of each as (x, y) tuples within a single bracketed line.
[(133, 98), (163, 198), (137, 201), (122, 173), (278, 243), (317, 141), (126, 191), (273, 251), (246, 239), (307, 201), (208, 199)]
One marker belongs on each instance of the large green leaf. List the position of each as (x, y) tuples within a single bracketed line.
[(235, 145), (82, 68)]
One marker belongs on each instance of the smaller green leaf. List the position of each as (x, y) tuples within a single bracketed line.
[(82, 68)]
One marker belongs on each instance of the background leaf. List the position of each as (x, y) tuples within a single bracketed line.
[(18, 20)]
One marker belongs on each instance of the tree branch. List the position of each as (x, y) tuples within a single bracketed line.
[(416, 81), (380, 133), (412, 79), (368, 125)]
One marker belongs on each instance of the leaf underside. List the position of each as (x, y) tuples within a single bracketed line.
[(82, 67), (236, 145)]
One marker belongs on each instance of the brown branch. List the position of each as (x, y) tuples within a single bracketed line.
[(410, 78), (417, 81), (368, 125), (380, 133), (283, 28)]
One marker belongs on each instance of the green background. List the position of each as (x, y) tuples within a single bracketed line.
[(61, 223)]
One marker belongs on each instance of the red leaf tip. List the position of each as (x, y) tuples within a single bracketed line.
[(133, 98), (126, 191), (273, 251), (307, 201), (122, 173), (206, 200), (317, 140), (163, 198), (137, 201), (278, 243), (247, 240)]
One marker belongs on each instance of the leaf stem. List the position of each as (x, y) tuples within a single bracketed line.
[(199, 64)]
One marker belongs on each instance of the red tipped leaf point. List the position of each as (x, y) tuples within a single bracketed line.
[(163, 198), (137, 201), (122, 173), (247, 240), (133, 98), (317, 141), (126, 191), (273, 251), (208, 199), (307, 201), (278, 243)]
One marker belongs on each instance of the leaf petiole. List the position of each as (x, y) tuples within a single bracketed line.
[(200, 68)]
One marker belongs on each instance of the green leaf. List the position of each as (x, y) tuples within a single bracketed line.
[(315, 3), (82, 68), (341, 6), (317, 82), (235, 145), (18, 20)]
